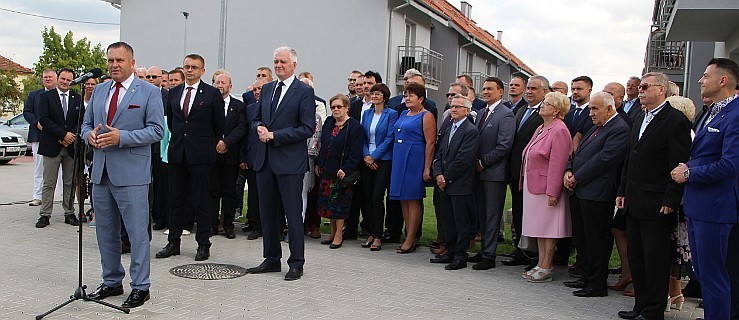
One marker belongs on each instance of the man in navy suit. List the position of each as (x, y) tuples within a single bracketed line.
[(577, 120), (710, 202), (195, 118), (632, 105), (284, 121), (225, 171), (247, 175), (456, 181), (515, 92), (592, 174), (264, 73), (125, 116), (30, 113), (58, 113)]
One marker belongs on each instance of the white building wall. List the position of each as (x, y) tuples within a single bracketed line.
[(330, 36)]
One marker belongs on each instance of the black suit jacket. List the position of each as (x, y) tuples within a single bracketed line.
[(625, 116), (645, 181), (55, 125), (156, 146), (196, 137), (30, 113), (355, 109), (234, 131), (523, 135), (597, 161), (453, 159), (478, 104), (520, 105)]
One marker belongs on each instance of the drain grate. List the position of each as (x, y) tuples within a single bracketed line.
[(208, 271)]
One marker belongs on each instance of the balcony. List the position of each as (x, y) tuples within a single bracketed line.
[(478, 78), (702, 20), (427, 61), (665, 56)]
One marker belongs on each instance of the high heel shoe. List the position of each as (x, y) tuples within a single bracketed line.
[(620, 285), (677, 300), (404, 251)]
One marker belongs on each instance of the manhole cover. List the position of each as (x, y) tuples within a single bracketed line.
[(208, 271)]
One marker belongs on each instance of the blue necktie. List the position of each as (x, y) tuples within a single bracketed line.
[(526, 116), (276, 97)]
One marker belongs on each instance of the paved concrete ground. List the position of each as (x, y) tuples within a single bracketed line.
[(39, 271)]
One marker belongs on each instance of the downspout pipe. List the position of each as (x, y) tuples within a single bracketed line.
[(390, 38)]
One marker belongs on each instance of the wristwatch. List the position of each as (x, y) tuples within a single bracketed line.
[(686, 174)]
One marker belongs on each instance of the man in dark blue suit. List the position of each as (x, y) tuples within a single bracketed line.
[(30, 113), (226, 169), (264, 73), (632, 105), (592, 175), (284, 121), (577, 119), (195, 118), (247, 175), (710, 201), (515, 92)]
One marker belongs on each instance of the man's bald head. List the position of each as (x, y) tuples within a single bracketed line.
[(618, 92), (257, 87), (154, 76)]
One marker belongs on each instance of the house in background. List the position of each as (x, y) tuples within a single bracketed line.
[(20, 73), (686, 34), (332, 38)]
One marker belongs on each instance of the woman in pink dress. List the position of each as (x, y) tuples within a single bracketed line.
[(546, 214)]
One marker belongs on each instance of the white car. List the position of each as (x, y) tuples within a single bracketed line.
[(12, 145), (19, 125)]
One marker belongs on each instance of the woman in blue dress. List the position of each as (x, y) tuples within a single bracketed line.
[(413, 150)]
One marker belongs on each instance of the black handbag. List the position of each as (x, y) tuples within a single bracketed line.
[(353, 178)]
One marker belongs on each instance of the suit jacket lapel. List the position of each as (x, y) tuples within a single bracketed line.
[(588, 141), (290, 92), (126, 99), (266, 102), (654, 124), (544, 133)]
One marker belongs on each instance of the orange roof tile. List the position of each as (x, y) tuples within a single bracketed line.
[(9, 65), (471, 27)]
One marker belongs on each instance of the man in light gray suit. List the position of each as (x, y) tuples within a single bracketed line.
[(125, 116), (497, 126)]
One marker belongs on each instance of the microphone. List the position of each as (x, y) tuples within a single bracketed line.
[(94, 73)]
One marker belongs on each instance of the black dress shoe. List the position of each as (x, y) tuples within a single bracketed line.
[(171, 249), (264, 267), (484, 264), (294, 274), (577, 284), (254, 234), (104, 291), (230, 234), (445, 258), (631, 314), (136, 298), (71, 219), (516, 261), (43, 221), (590, 292), (203, 253), (456, 265), (125, 247), (475, 258)]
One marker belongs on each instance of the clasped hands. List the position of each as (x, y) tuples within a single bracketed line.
[(107, 139), (68, 139), (264, 134), (569, 180), (370, 162), (678, 174)]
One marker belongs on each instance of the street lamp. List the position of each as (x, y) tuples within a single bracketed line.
[(185, 14)]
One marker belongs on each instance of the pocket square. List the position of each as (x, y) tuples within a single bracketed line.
[(710, 129), (134, 106)]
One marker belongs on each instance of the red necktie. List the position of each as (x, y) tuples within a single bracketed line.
[(484, 117), (113, 103), (593, 134), (186, 105)]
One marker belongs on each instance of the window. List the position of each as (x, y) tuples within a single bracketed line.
[(410, 34), (489, 68), (470, 60)]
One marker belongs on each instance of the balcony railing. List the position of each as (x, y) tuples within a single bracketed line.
[(663, 12), (665, 55), (427, 61)]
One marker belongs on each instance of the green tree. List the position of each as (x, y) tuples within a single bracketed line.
[(59, 52), (10, 95)]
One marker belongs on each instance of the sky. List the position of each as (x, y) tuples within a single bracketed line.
[(559, 39)]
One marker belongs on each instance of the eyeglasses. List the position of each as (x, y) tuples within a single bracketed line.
[(376, 93), (451, 94), (646, 86), (336, 107), (152, 76), (545, 103), (191, 67), (457, 107)]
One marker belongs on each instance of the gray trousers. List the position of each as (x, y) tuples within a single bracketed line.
[(490, 202), (51, 172)]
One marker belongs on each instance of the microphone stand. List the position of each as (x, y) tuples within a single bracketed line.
[(79, 293)]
